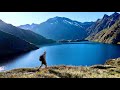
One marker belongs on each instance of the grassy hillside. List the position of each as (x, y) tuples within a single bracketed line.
[(101, 24), (109, 35), (10, 44), (24, 34)]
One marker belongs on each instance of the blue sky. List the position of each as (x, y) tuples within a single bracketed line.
[(21, 18)]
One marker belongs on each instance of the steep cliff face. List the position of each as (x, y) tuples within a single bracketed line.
[(109, 35), (100, 24)]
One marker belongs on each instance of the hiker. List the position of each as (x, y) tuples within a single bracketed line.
[(43, 60)]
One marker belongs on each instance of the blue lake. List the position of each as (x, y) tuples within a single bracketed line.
[(77, 54)]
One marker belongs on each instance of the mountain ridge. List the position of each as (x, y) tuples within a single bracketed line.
[(24, 34), (92, 31), (14, 40), (100, 24), (59, 28), (10, 44), (109, 35)]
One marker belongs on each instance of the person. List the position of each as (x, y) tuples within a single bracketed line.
[(43, 60)]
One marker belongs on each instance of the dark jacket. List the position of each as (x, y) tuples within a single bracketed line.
[(43, 59)]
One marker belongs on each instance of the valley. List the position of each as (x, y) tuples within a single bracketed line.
[(82, 49)]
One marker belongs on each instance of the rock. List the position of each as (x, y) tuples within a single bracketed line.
[(102, 66), (113, 62), (106, 30)]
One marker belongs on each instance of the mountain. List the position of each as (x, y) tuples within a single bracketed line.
[(26, 35), (59, 28), (28, 26), (10, 45), (109, 35), (100, 24)]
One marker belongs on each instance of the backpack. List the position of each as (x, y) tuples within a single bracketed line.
[(41, 58)]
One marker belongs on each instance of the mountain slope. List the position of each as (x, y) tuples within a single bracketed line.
[(24, 34), (28, 26), (59, 28), (100, 24), (109, 35), (10, 45)]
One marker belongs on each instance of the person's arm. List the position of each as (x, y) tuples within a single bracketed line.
[(45, 56)]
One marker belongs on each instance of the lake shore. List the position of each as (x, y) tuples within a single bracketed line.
[(111, 69)]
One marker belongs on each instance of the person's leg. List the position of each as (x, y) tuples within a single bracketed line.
[(45, 65), (40, 66)]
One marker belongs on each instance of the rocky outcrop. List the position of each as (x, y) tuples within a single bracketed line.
[(101, 24), (113, 62), (109, 35), (103, 66)]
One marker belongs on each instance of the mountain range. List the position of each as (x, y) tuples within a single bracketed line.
[(106, 30), (24, 34), (109, 35), (59, 28), (15, 40), (27, 37)]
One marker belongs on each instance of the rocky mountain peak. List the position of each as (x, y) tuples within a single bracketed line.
[(105, 16)]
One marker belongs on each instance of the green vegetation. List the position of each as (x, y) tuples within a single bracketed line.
[(111, 69), (26, 35), (109, 35), (104, 30)]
